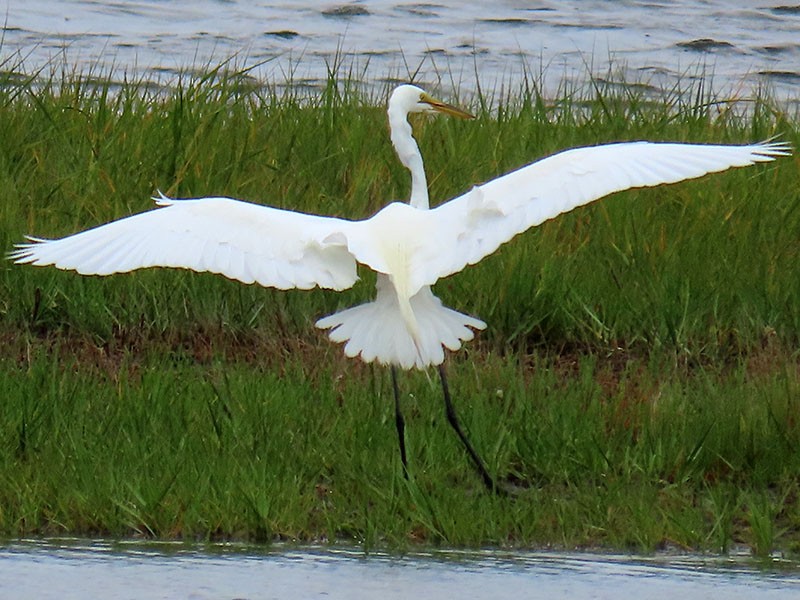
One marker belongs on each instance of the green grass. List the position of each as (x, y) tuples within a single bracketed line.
[(635, 460), (638, 383)]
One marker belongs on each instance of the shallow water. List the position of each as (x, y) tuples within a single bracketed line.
[(747, 45), (73, 569)]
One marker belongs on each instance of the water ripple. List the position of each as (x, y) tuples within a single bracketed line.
[(67, 569), (747, 46)]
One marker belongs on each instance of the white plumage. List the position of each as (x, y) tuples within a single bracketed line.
[(409, 246)]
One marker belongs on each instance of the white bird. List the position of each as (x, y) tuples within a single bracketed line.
[(409, 245)]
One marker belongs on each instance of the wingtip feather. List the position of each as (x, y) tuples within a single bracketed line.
[(773, 148), (162, 199), (24, 253)]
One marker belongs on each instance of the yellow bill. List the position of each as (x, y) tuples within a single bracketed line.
[(443, 107)]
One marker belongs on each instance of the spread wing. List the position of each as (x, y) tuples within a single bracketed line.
[(474, 225), (242, 241)]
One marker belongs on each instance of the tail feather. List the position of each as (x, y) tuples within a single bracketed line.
[(379, 330)]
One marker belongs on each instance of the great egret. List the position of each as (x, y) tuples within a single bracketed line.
[(409, 245)]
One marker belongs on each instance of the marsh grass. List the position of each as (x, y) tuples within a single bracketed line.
[(637, 386)]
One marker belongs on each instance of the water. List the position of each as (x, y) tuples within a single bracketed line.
[(73, 570), (747, 45)]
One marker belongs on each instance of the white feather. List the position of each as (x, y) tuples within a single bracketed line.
[(243, 241), (472, 226)]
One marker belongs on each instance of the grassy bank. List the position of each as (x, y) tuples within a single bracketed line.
[(638, 383)]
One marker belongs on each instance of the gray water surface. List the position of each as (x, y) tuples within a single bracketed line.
[(74, 569), (748, 45)]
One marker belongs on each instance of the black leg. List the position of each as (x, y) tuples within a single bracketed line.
[(453, 420), (399, 421)]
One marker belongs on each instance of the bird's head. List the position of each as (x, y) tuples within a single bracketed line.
[(411, 99)]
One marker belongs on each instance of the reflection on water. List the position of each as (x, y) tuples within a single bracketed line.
[(114, 571), (745, 44)]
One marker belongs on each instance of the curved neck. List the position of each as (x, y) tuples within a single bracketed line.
[(408, 152)]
